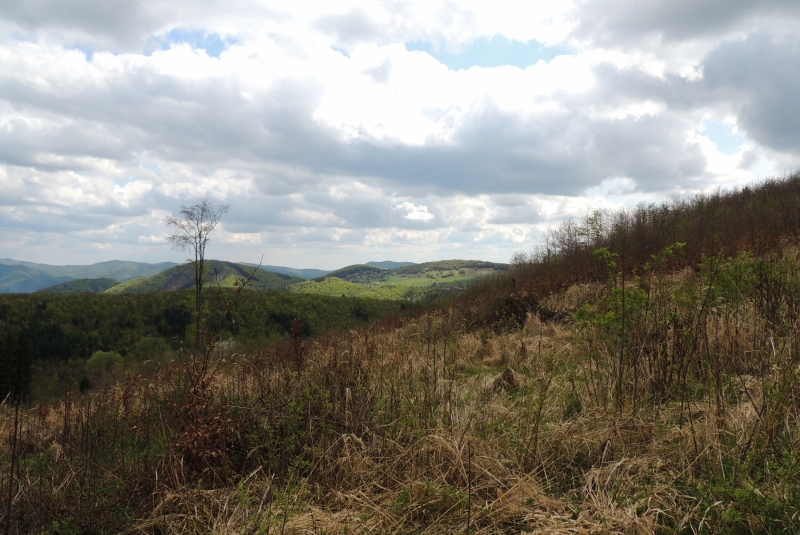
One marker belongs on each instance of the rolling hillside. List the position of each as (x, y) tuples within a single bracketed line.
[(226, 273)]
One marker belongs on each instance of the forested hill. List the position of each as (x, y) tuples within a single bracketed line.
[(216, 272), (355, 273)]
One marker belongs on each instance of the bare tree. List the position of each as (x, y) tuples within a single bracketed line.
[(191, 231)]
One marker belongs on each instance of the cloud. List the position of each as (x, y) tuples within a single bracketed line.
[(334, 129), (761, 90), (677, 21), (414, 212), (159, 239)]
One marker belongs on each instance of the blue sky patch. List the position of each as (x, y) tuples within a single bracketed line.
[(87, 49), (493, 52), (341, 51), (723, 136), (212, 43)]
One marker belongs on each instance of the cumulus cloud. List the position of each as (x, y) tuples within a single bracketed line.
[(331, 131), (414, 212)]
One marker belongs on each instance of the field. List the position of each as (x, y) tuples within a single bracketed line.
[(333, 286), (452, 277), (405, 283)]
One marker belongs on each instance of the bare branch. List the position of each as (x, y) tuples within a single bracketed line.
[(191, 232)]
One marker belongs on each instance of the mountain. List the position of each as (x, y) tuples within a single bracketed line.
[(22, 279), (294, 272), (389, 264), (75, 286), (181, 277)]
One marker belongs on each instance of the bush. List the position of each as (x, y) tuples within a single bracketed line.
[(105, 368)]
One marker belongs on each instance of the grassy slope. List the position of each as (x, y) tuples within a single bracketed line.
[(435, 426), (439, 277), (334, 286)]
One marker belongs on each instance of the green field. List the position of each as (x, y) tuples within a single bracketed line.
[(336, 287), (450, 277), (395, 284)]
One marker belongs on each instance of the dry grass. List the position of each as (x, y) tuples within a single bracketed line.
[(424, 427)]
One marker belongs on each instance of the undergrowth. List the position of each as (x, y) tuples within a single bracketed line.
[(686, 422)]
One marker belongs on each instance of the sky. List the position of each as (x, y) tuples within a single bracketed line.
[(342, 132)]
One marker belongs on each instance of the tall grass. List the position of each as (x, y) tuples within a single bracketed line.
[(657, 395)]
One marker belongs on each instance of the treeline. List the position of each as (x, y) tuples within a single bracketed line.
[(60, 332), (755, 218), (759, 218)]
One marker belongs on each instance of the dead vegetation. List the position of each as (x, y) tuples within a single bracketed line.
[(660, 400), (431, 426)]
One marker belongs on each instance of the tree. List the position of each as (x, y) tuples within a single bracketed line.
[(16, 362), (192, 232)]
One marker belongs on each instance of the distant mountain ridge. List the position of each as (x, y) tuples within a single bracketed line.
[(26, 277), (18, 276), (295, 272), (390, 264), (74, 286), (22, 279), (317, 273)]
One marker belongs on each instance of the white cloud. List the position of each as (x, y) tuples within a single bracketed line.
[(414, 212), (329, 137), (159, 239)]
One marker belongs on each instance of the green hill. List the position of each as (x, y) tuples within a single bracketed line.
[(226, 273), (75, 286), (357, 273), (22, 279), (442, 273)]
